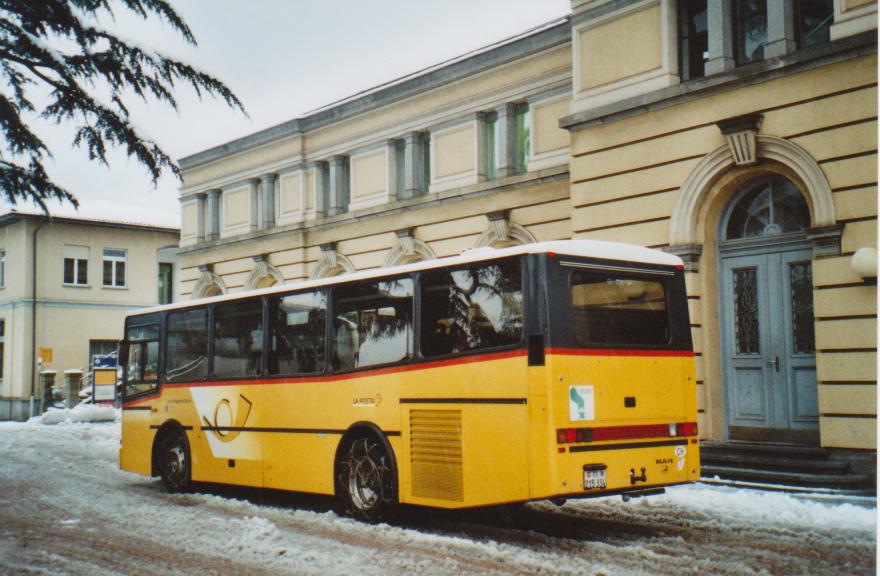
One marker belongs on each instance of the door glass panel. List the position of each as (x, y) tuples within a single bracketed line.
[(745, 311), (803, 333)]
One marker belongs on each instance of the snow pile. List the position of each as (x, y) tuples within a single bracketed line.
[(766, 508), (79, 413)]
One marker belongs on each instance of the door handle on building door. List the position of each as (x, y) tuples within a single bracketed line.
[(775, 363)]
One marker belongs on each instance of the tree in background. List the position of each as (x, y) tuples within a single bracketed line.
[(59, 45)]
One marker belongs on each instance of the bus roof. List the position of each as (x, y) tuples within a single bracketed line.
[(582, 248)]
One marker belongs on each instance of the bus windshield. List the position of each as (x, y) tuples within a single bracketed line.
[(618, 309)]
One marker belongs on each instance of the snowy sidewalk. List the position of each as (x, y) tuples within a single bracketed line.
[(66, 508)]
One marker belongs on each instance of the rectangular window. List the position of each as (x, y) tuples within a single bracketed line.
[(325, 189), (373, 324), (750, 30), (693, 38), (187, 347), (2, 345), (2, 268), (141, 359), (619, 310), (399, 168), (297, 323), (523, 137), (76, 265), (426, 163), (813, 20), (114, 267), (166, 283), (473, 308), (491, 124), (238, 339)]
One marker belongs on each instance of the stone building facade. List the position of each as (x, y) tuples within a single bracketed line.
[(738, 135)]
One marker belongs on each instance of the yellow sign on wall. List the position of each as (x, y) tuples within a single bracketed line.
[(45, 354)]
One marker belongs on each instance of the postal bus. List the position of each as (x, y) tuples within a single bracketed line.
[(551, 370)]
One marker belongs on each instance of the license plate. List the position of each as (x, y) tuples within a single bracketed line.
[(594, 477)]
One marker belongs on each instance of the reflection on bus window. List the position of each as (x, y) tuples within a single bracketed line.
[(471, 308), (238, 339), (373, 324), (297, 333), (142, 364), (187, 348), (618, 310)]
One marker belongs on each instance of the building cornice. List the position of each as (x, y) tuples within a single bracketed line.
[(503, 185), (764, 71), (549, 35)]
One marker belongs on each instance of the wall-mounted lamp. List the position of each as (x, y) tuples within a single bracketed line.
[(864, 263)]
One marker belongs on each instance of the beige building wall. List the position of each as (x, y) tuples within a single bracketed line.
[(626, 177)]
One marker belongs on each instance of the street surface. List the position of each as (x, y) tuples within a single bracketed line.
[(66, 508)]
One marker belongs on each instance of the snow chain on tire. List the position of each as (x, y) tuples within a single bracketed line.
[(366, 480)]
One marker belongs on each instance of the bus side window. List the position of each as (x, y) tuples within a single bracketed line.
[(472, 308), (187, 346), (373, 324), (296, 324), (238, 338)]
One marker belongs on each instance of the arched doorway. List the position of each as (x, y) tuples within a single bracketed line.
[(766, 304)]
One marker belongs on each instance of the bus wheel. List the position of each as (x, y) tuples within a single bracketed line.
[(174, 462), (366, 480)]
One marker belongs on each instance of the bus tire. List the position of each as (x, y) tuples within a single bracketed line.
[(365, 485), (175, 468)]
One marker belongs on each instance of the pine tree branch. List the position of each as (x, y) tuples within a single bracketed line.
[(94, 58)]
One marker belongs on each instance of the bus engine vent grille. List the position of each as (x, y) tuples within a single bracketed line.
[(435, 454)]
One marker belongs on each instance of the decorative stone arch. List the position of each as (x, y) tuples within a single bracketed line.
[(208, 283), (263, 275), (503, 233), (331, 263), (408, 249), (683, 226)]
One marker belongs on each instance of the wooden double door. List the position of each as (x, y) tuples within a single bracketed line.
[(768, 343)]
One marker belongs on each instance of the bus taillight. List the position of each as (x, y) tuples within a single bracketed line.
[(684, 429), (674, 430)]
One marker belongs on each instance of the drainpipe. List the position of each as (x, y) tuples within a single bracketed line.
[(34, 375)]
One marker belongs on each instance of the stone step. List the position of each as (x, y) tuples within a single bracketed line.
[(764, 449), (786, 478), (772, 462)]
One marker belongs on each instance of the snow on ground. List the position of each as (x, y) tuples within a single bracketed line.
[(66, 508), (79, 413)]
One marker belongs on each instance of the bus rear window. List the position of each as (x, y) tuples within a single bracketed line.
[(619, 310)]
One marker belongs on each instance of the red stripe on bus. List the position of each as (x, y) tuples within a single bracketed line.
[(607, 352), (349, 375)]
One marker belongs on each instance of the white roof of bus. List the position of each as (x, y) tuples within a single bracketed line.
[(626, 253)]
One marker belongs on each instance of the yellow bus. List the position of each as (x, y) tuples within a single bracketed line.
[(553, 370)]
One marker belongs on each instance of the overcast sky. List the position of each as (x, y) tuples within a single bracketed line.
[(282, 58)]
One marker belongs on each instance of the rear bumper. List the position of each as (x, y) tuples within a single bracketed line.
[(628, 466)]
